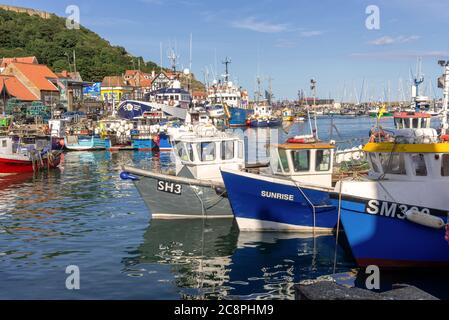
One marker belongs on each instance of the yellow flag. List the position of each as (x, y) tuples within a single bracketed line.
[(381, 112)]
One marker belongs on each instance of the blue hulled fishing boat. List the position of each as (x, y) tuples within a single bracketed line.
[(232, 97), (397, 216), (293, 197)]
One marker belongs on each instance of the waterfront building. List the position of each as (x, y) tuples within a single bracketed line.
[(37, 78), (115, 89), (71, 87)]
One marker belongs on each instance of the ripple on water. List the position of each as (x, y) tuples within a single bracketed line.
[(85, 215)]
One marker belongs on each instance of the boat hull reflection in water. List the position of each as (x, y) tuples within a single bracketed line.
[(211, 260)]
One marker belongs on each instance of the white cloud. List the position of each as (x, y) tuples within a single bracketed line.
[(251, 23), (401, 54), (387, 40), (313, 33)]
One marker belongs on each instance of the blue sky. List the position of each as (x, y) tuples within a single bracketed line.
[(290, 41)]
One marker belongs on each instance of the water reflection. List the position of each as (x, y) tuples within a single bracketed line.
[(212, 260)]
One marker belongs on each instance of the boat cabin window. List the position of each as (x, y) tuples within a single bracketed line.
[(300, 160), (393, 163), (445, 165), (4, 143), (227, 150), (207, 151), (185, 151), (283, 161), (240, 150), (374, 163), (399, 123), (419, 164), (323, 160)]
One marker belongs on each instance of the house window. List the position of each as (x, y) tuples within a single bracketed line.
[(323, 160), (419, 165), (301, 160), (445, 165)]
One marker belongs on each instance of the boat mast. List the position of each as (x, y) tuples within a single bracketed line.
[(444, 124), (226, 62)]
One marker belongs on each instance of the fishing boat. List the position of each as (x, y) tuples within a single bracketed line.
[(84, 142), (196, 189), (293, 197), (397, 216), (287, 115), (231, 97), (21, 154), (215, 111), (263, 117)]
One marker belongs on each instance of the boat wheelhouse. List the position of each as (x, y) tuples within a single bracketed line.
[(287, 114), (304, 160), (412, 120), (195, 189), (202, 155)]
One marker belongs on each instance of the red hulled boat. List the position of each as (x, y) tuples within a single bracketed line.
[(26, 154)]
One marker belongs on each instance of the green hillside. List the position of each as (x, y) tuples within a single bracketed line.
[(53, 44)]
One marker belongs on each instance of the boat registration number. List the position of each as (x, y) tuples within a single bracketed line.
[(169, 187)]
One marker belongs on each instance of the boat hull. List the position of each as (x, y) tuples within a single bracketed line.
[(13, 166), (164, 142), (169, 200), (238, 117), (143, 144), (86, 143), (270, 205), (265, 123), (388, 239)]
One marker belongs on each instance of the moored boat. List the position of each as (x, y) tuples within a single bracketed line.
[(196, 190), (397, 216), (293, 197), (84, 142), (26, 154)]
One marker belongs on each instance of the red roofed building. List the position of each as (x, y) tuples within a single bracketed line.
[(10, 87), (5, 61), (199, 96), (38, 78), (141, 82)]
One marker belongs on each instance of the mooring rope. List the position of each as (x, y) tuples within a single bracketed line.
[(338, 224)]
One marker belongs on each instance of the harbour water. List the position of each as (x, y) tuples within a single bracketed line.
[(84, 215)]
